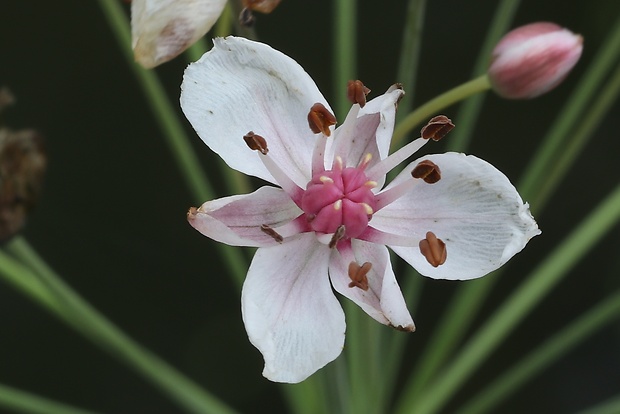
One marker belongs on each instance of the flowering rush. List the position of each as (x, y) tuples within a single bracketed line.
[(330, 217)]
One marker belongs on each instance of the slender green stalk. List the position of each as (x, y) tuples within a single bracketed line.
[(611, 406), (410, 54), (457, 318), (470, 109), (453, 325), (307, 397), (79, 314), (555, 140), (516, 307), (435, 105), (578, 139), (23, 402), (553, 349), (173, 131), (345, 52)]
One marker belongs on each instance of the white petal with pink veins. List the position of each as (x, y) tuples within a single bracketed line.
[(473, 208), (237, 220), (289, 310), (241, 86)]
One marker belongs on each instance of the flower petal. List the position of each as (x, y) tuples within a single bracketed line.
[(289, 310), (367, 130), (383, 300), (237, 220), (241, 86), (473, 208), (162, 29)]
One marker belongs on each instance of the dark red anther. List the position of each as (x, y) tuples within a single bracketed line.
[(428, 171), (256, 142), (320, 119), (433, 249), (358, 274), (437, 128), (356, 92)]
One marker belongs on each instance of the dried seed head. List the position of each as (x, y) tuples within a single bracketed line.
[(437, 128), (356, 92), (358, 274), (320, 119), (433, 249), (256, 142), (428, 171)]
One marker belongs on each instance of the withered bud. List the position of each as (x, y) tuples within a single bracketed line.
[(261, 6), (437, 128), (358, 273), (256, 142), (246, 18), (356, 92), (427, 170), (22, 168), (320, 119), (433, 249)]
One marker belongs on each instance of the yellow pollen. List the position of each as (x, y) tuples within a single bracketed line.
[(371, 184), (338, 205), (339, 162), (368, 209), (365, 160), (325, 179)]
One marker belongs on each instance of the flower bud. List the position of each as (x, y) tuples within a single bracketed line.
[(533, 59), (163, 29)]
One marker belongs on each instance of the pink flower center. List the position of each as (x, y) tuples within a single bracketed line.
[(339, 197)]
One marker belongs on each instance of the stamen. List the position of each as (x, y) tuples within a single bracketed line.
[(246, 17), (379, 170), (338, 235), (283, 179), (271, 232), (320, 119), (437, 128), (371, 184), (356, 92), (256, 142), (387, 196), (325, 179), (427, 170), (358, 274), (338, 163), (338, 205), (433, 249), (318, 155), (368, 209), (364, 162)]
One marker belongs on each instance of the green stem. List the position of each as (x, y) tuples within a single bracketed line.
[(578, 139), (516, 307), (345, 52), (470, 109), (611, 406), (435, 105), (79, 314), (553, 349), (173, 131), (24, 402), (554, 142), (410, 54)]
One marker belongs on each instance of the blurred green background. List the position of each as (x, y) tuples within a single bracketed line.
[(112, 222)]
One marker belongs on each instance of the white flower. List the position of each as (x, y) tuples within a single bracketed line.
[(163, 29), (330, 219)]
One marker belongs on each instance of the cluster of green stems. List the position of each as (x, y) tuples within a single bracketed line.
[(363, 380)]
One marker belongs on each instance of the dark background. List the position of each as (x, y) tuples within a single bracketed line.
[(112, 217)]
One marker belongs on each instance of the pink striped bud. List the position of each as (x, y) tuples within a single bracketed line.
[(533, 59)]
